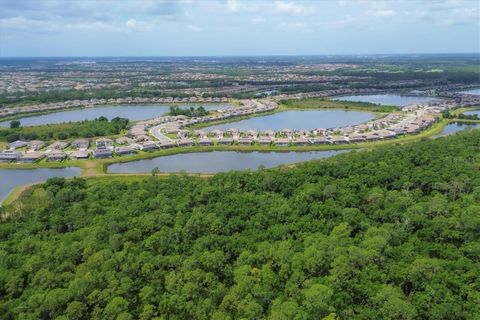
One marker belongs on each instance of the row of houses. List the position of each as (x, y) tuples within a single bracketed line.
[(60, 155), (173, 125), (93, 102), (81, 144)]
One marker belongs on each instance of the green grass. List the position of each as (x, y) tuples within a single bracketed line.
[(319, 103)]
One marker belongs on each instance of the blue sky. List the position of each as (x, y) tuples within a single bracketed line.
[(235, 27)]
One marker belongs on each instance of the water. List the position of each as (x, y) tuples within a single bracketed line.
[(11, 178), (217, 161), (475, 92), (296, 120), (388, 99), (477, 112), (456, 127), (132, 112)]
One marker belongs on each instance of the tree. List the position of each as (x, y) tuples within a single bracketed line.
[(14, 124)]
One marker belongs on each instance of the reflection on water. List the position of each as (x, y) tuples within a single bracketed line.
[(387, 99), (217, 161), (11, 178), (133, 112), (296, 120)]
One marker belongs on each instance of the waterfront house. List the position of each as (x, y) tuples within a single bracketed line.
[(205, 142), (320, 140), (245, 141), (301, 141), (148, 145), (102, 152), (217, 133), (167, 144), (286, 132), (356, 138), (103, 142), (199, 133), (79, 155), (80, 143), (282, 142), (31, 157), (234, 132), (9, 155), (124, 150), (17, 144), (270, 133), (225, 141), (36, 145), (56, 155), (251, 133), (185, 142), (339, 140), (372, 136), (264, 141), (58, 145)]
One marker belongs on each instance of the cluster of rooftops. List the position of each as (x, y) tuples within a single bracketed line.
[(157, 134)]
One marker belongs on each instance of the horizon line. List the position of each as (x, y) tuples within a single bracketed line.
[(248, 55)]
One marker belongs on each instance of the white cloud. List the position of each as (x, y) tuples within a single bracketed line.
[(282, 7), (232, 6), (132, 23)]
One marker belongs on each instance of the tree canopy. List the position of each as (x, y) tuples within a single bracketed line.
[(391, 233), (83, 129)]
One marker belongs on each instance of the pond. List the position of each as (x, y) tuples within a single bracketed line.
[(388, 99), (217, 161), (469, 113), (454, 127), (475, 92), (133, 112), (296, 120), (11, 178)]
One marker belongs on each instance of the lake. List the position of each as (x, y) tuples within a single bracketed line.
[(11, 178), (477, 112), (387, 99), (456, 127), (296, 120), (133, 112), (217, 161), (475, 92)]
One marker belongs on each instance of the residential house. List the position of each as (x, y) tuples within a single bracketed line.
[(80, 143), (148, 146), (79, 155), (35, 145), (102, 152), (58, 145), (103, 142), (9, 155), (56, 155), (17, 144), (125, 150), (31, 157)]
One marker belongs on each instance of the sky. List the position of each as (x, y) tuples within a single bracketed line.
[(235, 28)]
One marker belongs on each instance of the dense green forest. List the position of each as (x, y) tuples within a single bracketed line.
[(189, 112), (83, 129), (329, 103), (391, 233)]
